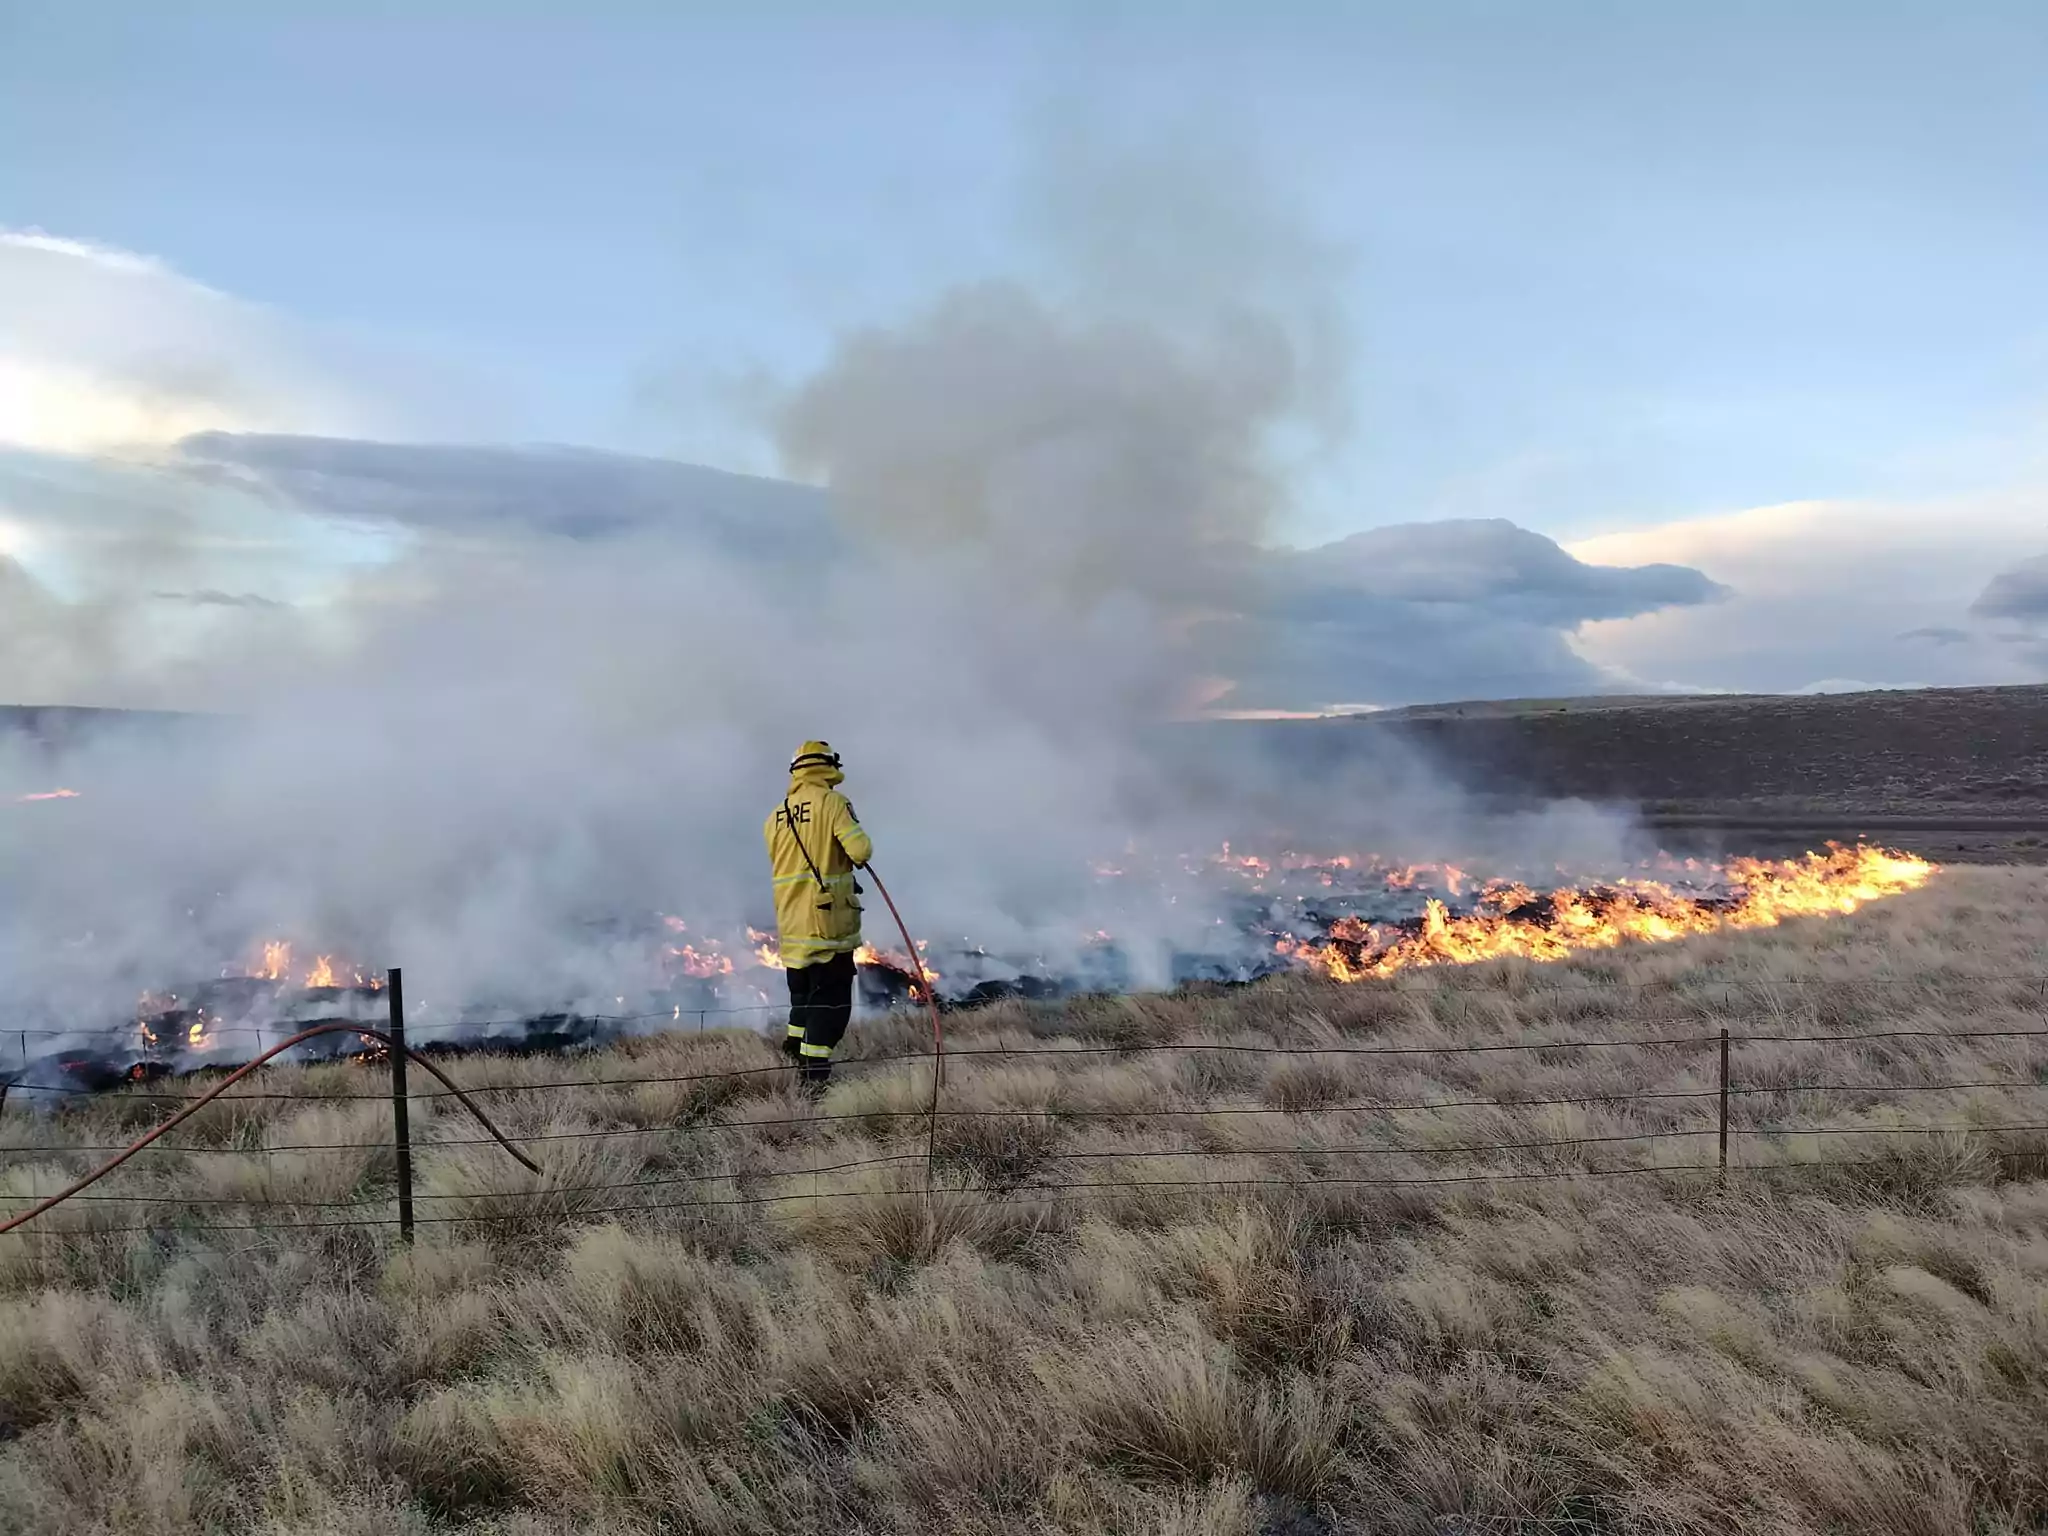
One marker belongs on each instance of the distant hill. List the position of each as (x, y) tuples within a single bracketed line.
[(1955, 772), (1899, 750)]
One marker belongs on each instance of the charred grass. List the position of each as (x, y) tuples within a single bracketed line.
[(1164, 1264)]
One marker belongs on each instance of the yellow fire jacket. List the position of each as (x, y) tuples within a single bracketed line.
[(817, 919)]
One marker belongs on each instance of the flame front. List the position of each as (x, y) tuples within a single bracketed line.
[(1464, 919), (1766, 893)]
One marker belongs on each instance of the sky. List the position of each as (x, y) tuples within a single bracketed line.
[(1750, 291)]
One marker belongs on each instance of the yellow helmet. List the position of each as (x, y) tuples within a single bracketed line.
[(814, 754)]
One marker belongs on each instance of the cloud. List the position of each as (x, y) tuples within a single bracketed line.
[(1492, 565), (1823, 590), (1392, 615), (2020, 594), (2019, 598), (105, 351), (1939, 634), (564, 492), (210, 598), (1425, 611)]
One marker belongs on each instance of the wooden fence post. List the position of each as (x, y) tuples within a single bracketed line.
[(401, 1125), (1724, 1106)]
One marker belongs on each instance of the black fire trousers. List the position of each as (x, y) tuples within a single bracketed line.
[(820, 1005)]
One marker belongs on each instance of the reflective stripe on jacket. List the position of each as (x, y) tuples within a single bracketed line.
[(816, 920)]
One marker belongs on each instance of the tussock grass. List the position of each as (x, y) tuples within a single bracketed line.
[(726, 1309)]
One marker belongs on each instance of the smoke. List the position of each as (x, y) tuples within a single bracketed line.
[(537, 693)]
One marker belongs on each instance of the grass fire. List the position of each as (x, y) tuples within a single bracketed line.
[(1439, 626), (1446, 1243), (1346, 917)]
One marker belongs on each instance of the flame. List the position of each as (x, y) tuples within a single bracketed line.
[(767, 949), (902, 964), (1766, 893), (701, 963), (1244, 863), (275, 964)]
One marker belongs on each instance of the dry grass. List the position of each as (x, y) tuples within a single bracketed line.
[(723, 1309)]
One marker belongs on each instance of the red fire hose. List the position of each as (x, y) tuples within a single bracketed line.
[(924, 983), (236, 1076)]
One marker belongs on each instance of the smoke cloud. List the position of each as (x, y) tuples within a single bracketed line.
[(475, 706)]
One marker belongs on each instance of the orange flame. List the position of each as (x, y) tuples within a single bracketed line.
[(896, 960), (1766, 893), (701, 963), (275, 964), (767, 949)]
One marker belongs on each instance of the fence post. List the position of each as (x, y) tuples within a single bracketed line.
[(1724, 1105), (401, 1126)]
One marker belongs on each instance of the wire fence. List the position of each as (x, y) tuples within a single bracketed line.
[(1421, 981), (740, 1100)]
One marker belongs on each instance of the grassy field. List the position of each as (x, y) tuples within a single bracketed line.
[(697, 1325)]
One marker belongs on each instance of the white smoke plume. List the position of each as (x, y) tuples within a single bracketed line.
[(564, 691)]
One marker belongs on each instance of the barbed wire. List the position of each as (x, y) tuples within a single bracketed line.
[(553, 1193), (1052, 1115), (562, 1200), (1033, 1194)]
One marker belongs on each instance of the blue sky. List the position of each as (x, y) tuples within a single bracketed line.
[(1604, 268), (1611, 261)]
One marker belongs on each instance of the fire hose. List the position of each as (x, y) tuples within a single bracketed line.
[(24, 1217), (924, 983), (931, 1003)]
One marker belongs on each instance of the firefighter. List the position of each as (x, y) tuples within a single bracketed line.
[(814, 843)]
